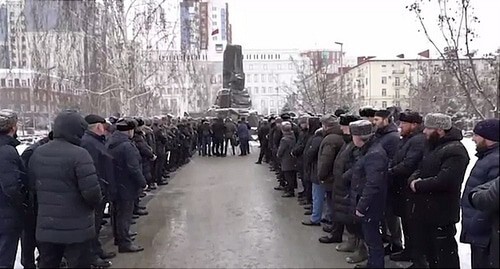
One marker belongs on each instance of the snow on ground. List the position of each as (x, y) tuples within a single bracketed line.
[(463, 249)]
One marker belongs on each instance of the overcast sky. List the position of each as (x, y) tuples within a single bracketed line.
[(383, 28)]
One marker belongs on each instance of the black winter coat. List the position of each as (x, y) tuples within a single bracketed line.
[(369, 181), (160, 141), (388, 137), (330, 146), (146, 153), (26, 156), (127, 166), (298, 149), (342, 184), (311, 157), (476, 224), (405, 162), (485, 198), (103, 162), (12, 182), (219, 129), (150, 138), (277, 135), (66, 185), (437, 197), (288, 162)]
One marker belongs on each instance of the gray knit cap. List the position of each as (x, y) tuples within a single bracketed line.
[(8, 119), (437, 121), (361, 128)]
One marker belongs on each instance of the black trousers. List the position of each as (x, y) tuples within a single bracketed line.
[(291, 180), (480, 257), (77, 255), (158, 167), (97, 250), (338, 229), (263, 151), (8, 249), (229, 141), (437, 243), (307, 189), (219, 145), (124, 213), (28, 239)]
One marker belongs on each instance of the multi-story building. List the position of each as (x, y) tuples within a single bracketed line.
[(205, 27), (269, 77)]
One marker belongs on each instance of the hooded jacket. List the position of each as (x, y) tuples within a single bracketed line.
[(127, 166), (437, 197), (66, 184), (12, 181)]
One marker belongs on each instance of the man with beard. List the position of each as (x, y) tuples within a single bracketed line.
[(11, 183), (94, 142), (476, 224), (68, 193), (127, 168), (405, 162), (435, 191), (369, 189), (387, 135)]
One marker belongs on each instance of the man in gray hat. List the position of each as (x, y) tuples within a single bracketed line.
[(11, 196), (436, 187), (369, 189)]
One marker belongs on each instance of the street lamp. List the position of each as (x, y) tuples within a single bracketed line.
[(341, 65)]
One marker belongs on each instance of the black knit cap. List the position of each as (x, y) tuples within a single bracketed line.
[(339, 112), (285, 116), (411, 117), (126, 124), (140, 121), (93, 119), (383, 113), (346, 119), (367, 112)]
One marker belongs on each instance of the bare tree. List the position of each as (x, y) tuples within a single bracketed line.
[(455, 23)]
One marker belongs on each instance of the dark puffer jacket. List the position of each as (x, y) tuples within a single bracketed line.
[(485, 198), (12, 181), (66, 184), (476, 224), (311, 157), (405, 162), (388, 137), (330, 146), (437, 197), (369, 181), (288, 162), (342, 184), (146, 153), (127, 166), (298, 149)]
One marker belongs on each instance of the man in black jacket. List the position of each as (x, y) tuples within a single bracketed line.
[(263, 137), (161, 159), (94, 142), (68, 193), (12, 181), (127, 168), (405, 162), (436, 189), (298, 150)]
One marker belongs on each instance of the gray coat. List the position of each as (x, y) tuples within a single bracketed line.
[(288, 162)]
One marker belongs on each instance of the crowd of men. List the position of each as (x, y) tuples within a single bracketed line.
[(215, 136), (53, 197), (394, 191)]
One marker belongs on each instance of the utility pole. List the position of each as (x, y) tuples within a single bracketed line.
[(341, 66)]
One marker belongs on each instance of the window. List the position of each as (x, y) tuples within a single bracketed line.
[(263, 103), (397, 81), (290, 66), (271, 103), (384, 104), (384, 92), (2, 82), (270, 78), (263, 77), (384, 80), (256, 90), (214, 8), (270, 90), (397, 103), (214, 23), (214, 16), (396, 93), (384, 66), (10, 83), (256, 78), (263, 90), (249, 79), (23, 83), (250, 66), (214, 38), (279, 66), (265, 66)]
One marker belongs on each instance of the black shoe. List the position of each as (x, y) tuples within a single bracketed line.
[(279, 188), (325, 221), (330, 240), (310, 223), (129, 249), (258, 162), (152, 187), (288, 194), (308, 213), (107, 255), (133, 222), (163, 183), (106, 216), (135, 216), (142, 195), (327, 228), (141, 207), (402, 256), (132, 234), (308, 207), (141, 212), (104, 222), (360, 266), (304, 202), (391, 249), (100, 263)]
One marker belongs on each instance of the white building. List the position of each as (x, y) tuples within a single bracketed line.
[(269, 77)]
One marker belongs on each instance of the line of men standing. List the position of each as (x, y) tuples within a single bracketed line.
[(215, 137), (379, 184), (53, 197)]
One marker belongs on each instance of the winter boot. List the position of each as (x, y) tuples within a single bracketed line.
[(360, 255), (349, 246)]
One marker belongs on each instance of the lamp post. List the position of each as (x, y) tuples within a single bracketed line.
[(341, 65)]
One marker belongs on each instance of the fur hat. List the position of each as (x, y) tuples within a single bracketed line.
[(126, 124), (488, 129), (329, 120), (346, 119), (383, 113), (8, 119), (361, 128), (411, 117), (339, 112), (437, 121), (367, 112)]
